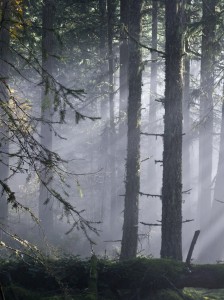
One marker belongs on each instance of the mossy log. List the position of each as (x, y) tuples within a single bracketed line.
[(139, 274), (162, 273)]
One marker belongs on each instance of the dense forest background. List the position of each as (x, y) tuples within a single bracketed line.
[(112, 129)]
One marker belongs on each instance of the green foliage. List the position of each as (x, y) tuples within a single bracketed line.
[(168, 295)]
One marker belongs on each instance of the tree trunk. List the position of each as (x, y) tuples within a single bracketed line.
[(153, 108), (172, 156), (206, 112), (187, 123), (187, 141), (206, 123), (124, 12), (186, 130), (111, 7), (130, 228), (45, 197), (122, 135), (103, 106), (4, 98), (215, 249)]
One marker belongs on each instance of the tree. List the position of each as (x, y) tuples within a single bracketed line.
[(4, 98), (111, 8), (216, 228), (206, 110), (103, 98), (172, 156), (130, 228), (186, 121), (153, 106), (123, 100)]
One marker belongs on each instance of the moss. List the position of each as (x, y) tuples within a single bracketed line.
[(169, 295)]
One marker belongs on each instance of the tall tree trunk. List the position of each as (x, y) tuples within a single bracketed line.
[(124, 12), (103, 102), (186, 130), (130, 228), (215, 249), (153, 105), (172, 156), (111, 7), (186, 123), (48, 41), (122, 135), (4, 98), (206, 112)]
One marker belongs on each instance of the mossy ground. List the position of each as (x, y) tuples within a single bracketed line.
[(188, 293), (204, 294)]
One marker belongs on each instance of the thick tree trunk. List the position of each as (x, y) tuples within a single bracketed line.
[(130, 228), (206, 112), (172, 156), (4, 98), (48, 41)]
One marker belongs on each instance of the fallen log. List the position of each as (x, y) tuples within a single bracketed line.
[(138, 274)]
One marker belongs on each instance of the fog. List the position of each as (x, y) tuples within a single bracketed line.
[(85, 150)]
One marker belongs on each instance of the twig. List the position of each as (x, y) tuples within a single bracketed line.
[(153, 134), (187, 221), (115, 241), (187, 192), (219, 201), (147, 158), (150, 224), (150, 195)]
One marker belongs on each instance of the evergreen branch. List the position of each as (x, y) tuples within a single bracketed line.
[(150, 224), (150, 195), (144, 46), (153, 134)]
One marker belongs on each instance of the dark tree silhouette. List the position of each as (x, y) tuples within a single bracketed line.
[(130, 228), (172, 155)]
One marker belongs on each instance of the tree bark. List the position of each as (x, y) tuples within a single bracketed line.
[(172, 156), (206, 112), (206, 124), (103, 104), (123, 101), (130, 228), (124, 13), (153, 108), (111, 7), (4, 98)]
